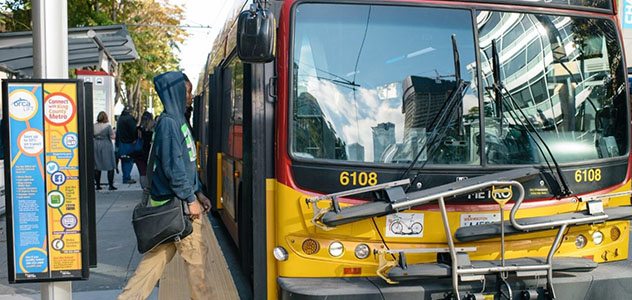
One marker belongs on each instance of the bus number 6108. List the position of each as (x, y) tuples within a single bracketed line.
[(358, 178), (588, 175)]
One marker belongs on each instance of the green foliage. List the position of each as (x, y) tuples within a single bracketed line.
[(15, 15), (153, 43)]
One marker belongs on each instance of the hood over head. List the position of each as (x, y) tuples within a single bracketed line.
[(172, 92)]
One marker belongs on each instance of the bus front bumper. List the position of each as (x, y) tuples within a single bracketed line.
[(608, 281)]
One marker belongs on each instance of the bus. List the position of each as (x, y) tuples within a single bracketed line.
[(421, 149)]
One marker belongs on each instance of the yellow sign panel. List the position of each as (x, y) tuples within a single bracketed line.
[(62, 176), (502, 195)]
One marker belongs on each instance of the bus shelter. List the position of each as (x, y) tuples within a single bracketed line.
[(102, 46)]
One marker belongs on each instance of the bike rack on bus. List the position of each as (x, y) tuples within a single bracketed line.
[(595, 214), (455, 268)]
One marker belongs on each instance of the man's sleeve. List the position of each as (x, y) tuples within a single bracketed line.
[(169, 153), (199, 183)]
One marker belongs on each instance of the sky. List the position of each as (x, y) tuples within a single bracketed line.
[(193, 52)]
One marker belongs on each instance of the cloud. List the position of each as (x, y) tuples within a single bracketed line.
[(351, 118)]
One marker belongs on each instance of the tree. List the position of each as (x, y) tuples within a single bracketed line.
[(153, 43), (15, 15)]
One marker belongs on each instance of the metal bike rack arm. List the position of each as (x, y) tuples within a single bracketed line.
[(444, 216), (407, 204), (563, 224), (553, 224)]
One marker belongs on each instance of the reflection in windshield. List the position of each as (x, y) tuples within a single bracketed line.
[(565, 73), (605, 4), (373, 97), (369, 81)]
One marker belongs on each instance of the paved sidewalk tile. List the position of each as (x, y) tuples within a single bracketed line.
[(91, 295), (118, 181), (117, 255)]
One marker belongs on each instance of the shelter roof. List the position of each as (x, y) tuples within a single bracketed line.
[(16, 48)]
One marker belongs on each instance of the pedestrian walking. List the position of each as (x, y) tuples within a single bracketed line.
[(175, 178), (104, 159), (125, 139), (145, 131)]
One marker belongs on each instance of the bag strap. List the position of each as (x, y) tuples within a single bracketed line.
[(150, 168), (149, 174)]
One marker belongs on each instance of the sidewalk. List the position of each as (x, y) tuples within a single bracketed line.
[(117, 254)]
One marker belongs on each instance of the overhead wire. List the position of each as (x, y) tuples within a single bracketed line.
[(355, 71)]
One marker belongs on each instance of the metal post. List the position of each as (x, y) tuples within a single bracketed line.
[(50, 60), (50, 39), (455, 263), (549, 258), (502, 239)]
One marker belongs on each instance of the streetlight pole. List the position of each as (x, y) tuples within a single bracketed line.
[(50, 60), (50, 39)]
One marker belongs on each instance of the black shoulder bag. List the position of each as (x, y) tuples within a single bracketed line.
[(155, 225)]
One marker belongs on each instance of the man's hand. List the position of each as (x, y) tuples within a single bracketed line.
[(194, 210), (206, 203)]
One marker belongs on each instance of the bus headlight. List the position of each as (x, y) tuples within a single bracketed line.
[(336, 249), (597, 237), (362, 251), (580, 241), (280, 253)]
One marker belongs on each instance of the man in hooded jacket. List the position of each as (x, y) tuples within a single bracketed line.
[(125, 138), (174, 178)]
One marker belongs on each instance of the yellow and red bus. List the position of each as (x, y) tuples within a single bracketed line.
[(421, 149)]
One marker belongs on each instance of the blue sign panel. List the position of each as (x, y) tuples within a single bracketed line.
[(26, 125), (46, 193), (626, 14)]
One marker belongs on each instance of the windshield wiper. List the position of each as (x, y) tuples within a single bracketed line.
[(440, 120), (499, 88)]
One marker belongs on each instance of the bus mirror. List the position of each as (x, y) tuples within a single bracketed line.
[(255, 36)]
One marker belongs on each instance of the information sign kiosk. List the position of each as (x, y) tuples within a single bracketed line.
[(46, 188)]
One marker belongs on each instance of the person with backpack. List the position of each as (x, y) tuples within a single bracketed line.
[(175, 178), (125, 139), (145, 131)]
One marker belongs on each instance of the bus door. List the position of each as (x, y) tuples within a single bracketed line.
[(214, 145), (231, 145)]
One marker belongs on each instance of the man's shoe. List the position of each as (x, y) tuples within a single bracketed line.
[(98, 187), (131, 181), (112, 188)]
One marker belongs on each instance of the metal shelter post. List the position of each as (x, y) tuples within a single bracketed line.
[(50, 39), (50, 60), (107, 62)]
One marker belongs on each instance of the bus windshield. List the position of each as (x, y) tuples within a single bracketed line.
[(565, 74), (369, 82)]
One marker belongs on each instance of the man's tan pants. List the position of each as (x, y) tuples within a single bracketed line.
[(193, 250)]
